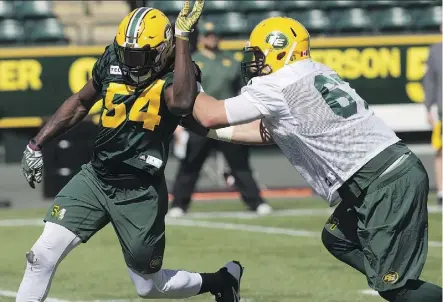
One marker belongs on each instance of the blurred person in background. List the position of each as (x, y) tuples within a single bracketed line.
[(432, 83), (221, 78)]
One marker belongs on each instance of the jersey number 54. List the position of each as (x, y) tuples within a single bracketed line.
[(149, 98)]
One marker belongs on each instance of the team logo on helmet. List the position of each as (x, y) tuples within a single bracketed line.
[(277, 40), (390, 277)]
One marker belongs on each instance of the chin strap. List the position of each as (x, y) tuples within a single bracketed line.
[(139, 79)]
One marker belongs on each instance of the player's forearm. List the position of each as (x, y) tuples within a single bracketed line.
[(185, 85), (253, 133), (210, 112), (70, 113)]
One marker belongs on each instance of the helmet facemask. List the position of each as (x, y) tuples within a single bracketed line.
[(139, 64), (254, 64)]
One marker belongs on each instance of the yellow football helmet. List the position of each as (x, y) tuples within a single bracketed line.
[(273, 43), (144, 44)]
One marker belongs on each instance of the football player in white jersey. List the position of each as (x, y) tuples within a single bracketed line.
[(346, 153)]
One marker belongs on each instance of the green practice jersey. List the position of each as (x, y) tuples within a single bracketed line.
[(220, 73), (135, 124)]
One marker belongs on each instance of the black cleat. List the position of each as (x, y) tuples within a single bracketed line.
[(234, 272)]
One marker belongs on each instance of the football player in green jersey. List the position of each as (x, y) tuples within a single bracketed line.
[(124, 183)]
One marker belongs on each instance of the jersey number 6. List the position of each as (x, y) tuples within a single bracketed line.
[(145, 108), (338, 99)]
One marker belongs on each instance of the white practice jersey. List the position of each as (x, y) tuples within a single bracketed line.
[(324, 128)]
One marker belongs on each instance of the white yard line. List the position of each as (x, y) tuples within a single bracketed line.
[(11, 294), (279, 213), (220, 214), (208, 225), (241, 227), (252, 215), (255, 229)]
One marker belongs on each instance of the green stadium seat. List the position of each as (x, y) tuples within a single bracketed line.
[(256, 5), (34, 10), (11, 32), (167, 7), (6, 10), (394, 18), (298, 5), (16, 3), (254, 18), (381, 3), (45, 31), (232, 24), (339, 4), (220, 6), (352, 20), (316, 21), (419, 3), (428, 18)]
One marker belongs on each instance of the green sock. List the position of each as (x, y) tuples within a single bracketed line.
[(414, 291)]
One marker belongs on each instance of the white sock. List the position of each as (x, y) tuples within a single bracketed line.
[(52, 246), (440, 194), (167, 284)]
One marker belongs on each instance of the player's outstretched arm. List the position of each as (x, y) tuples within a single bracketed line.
[(210, 112), (69, 114), (184, 88), (253, 133), (72, 111), (234, 120)]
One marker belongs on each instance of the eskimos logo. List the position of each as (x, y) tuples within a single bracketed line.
[(277, 40)]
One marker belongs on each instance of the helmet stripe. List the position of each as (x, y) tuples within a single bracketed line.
[(134, 24), (131, 24)]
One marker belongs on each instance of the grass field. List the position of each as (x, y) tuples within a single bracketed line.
[(284, 258)]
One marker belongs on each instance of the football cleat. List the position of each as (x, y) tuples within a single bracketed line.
[(231, 293), (264, 209), (176, 212)]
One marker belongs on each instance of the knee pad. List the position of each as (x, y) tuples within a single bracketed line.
[(51, 247)]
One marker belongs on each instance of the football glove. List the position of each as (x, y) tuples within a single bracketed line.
[(32, 164), (187, 20)]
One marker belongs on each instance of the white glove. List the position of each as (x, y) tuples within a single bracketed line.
[(32, 165)]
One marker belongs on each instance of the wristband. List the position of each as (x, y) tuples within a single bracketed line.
[(223, 134), (34, 146), (184, 35)]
